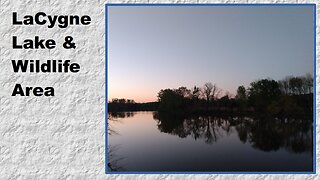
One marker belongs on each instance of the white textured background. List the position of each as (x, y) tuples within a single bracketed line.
[(63, 137)]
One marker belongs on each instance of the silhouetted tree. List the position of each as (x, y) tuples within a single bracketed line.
[(289, 96), (210, 91), (196, 92), (184, 92), (284, 85), (207, 91), (309, 83), (263, 92), (295, 85), (241, 93), (171, 101)]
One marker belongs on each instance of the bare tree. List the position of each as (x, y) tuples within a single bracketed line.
[(210, 91), (284, 85), (215, 92), (207, 91)]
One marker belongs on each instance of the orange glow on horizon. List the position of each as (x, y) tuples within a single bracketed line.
[(136, 99), (138, 93)]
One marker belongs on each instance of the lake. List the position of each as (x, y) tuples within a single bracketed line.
[(155, 142)]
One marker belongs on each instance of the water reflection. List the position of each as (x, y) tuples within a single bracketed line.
[(152, 141), (114, 158), (115, 115), (266, 134)]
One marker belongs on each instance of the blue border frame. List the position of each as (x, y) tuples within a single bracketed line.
[(106, 90), (213, 172)]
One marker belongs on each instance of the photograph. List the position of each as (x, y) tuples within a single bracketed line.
[(211, 88)]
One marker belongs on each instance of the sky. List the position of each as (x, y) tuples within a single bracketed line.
[(154, 48)]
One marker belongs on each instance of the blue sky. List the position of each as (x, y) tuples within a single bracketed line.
[(153, 48)]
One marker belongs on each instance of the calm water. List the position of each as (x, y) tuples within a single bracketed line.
[(149, 141)]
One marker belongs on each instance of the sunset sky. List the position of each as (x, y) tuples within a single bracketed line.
[(153, 48)]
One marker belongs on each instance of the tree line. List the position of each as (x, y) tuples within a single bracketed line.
[(292, 95), (289, 96), (120, 105)]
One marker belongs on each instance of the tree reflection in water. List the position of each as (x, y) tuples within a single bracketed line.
[(113, 158), (266, 134)]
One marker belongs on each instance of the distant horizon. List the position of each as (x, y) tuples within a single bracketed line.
[(223, 92), (154, 48)]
